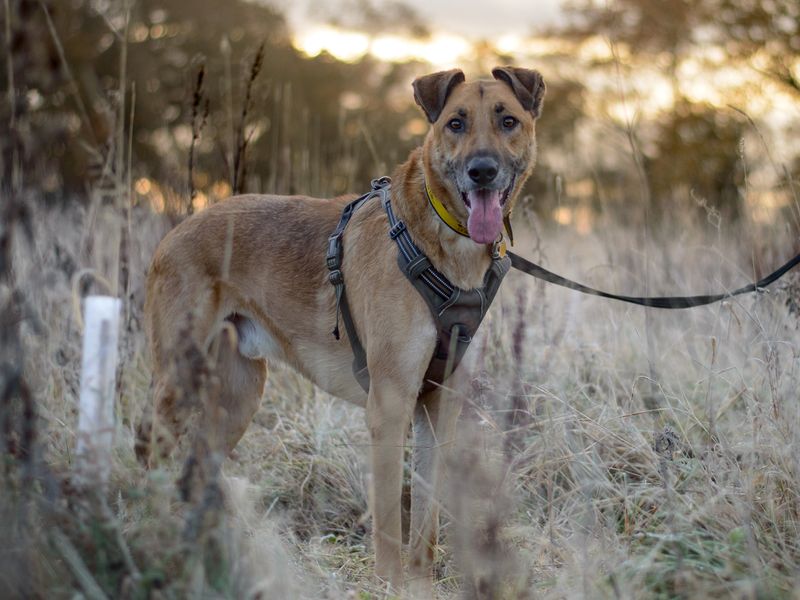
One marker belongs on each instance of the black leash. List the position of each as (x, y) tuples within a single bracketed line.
[(530, 268)]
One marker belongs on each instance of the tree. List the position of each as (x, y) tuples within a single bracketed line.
[(646, 28), (694, 146), (765, 34), (696, 159), (303, 139)]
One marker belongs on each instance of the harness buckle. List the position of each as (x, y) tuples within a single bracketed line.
[(397, 229), (335, 277), (417, 265), (381, 182), (332, 258)]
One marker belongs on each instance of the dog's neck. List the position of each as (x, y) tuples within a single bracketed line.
[(459, 258)]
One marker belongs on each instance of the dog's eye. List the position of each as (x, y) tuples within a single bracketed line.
[(509, 122), (456, 124)]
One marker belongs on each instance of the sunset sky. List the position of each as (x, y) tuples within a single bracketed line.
[(470, 18), (454, 28), (510, 27)]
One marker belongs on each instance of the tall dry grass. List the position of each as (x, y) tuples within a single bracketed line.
[(583, 469)]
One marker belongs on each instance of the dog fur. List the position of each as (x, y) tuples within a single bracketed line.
[(257, 264)]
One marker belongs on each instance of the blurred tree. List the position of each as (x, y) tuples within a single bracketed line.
[(66, 58), (27, 68), (764, 35), (694, 146), (644, 27), (695, 159), (315, 125)]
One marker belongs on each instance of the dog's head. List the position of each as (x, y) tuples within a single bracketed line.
[(481, 145)]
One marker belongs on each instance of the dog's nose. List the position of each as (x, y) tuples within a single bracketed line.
[(482, 169)]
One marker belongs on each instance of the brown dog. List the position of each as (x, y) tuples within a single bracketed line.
[(259, 263)]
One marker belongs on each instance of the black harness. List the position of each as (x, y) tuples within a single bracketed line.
[(457, 313)]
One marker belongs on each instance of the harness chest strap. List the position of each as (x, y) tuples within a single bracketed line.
[(457, 313)]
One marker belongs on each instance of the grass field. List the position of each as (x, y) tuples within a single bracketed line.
[(652, 454)]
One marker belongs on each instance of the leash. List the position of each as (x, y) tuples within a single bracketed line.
[(535, 270), (526, 266)]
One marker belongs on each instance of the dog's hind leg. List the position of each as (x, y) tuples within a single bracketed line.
[(197, 357), (241, 384), (161, 424), (234, 383), (435, 418)]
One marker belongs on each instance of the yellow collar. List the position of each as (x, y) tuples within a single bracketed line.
[(444, 214), (453, 223)]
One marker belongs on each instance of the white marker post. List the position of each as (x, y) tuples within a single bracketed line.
[(98, 380)]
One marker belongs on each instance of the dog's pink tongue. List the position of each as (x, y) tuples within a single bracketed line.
[(486, 217)]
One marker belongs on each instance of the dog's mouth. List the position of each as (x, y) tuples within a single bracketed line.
[(465, 196), (485, 209)]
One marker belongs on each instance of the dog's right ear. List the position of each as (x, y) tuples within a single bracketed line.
[(431, 91)]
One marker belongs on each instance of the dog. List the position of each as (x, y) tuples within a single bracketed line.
[(256, 264)]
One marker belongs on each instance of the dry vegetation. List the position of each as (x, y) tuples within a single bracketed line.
[(605, 452)]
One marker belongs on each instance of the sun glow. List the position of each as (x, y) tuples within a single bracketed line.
[(347, 46), (518, 45), (441, 49)]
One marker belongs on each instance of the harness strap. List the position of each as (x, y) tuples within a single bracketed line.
[(333, 260), (360, 371), (530, 268), (417, 264)]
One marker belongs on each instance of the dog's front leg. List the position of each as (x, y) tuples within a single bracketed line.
[(435, 420), (389, 410)]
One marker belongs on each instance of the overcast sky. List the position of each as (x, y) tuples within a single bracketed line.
[(471, 18)]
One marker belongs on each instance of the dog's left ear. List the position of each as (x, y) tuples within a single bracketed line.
[(528, 86), (431, 91)]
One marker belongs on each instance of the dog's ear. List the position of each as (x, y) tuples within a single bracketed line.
[(527, 85), (431, 91)]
